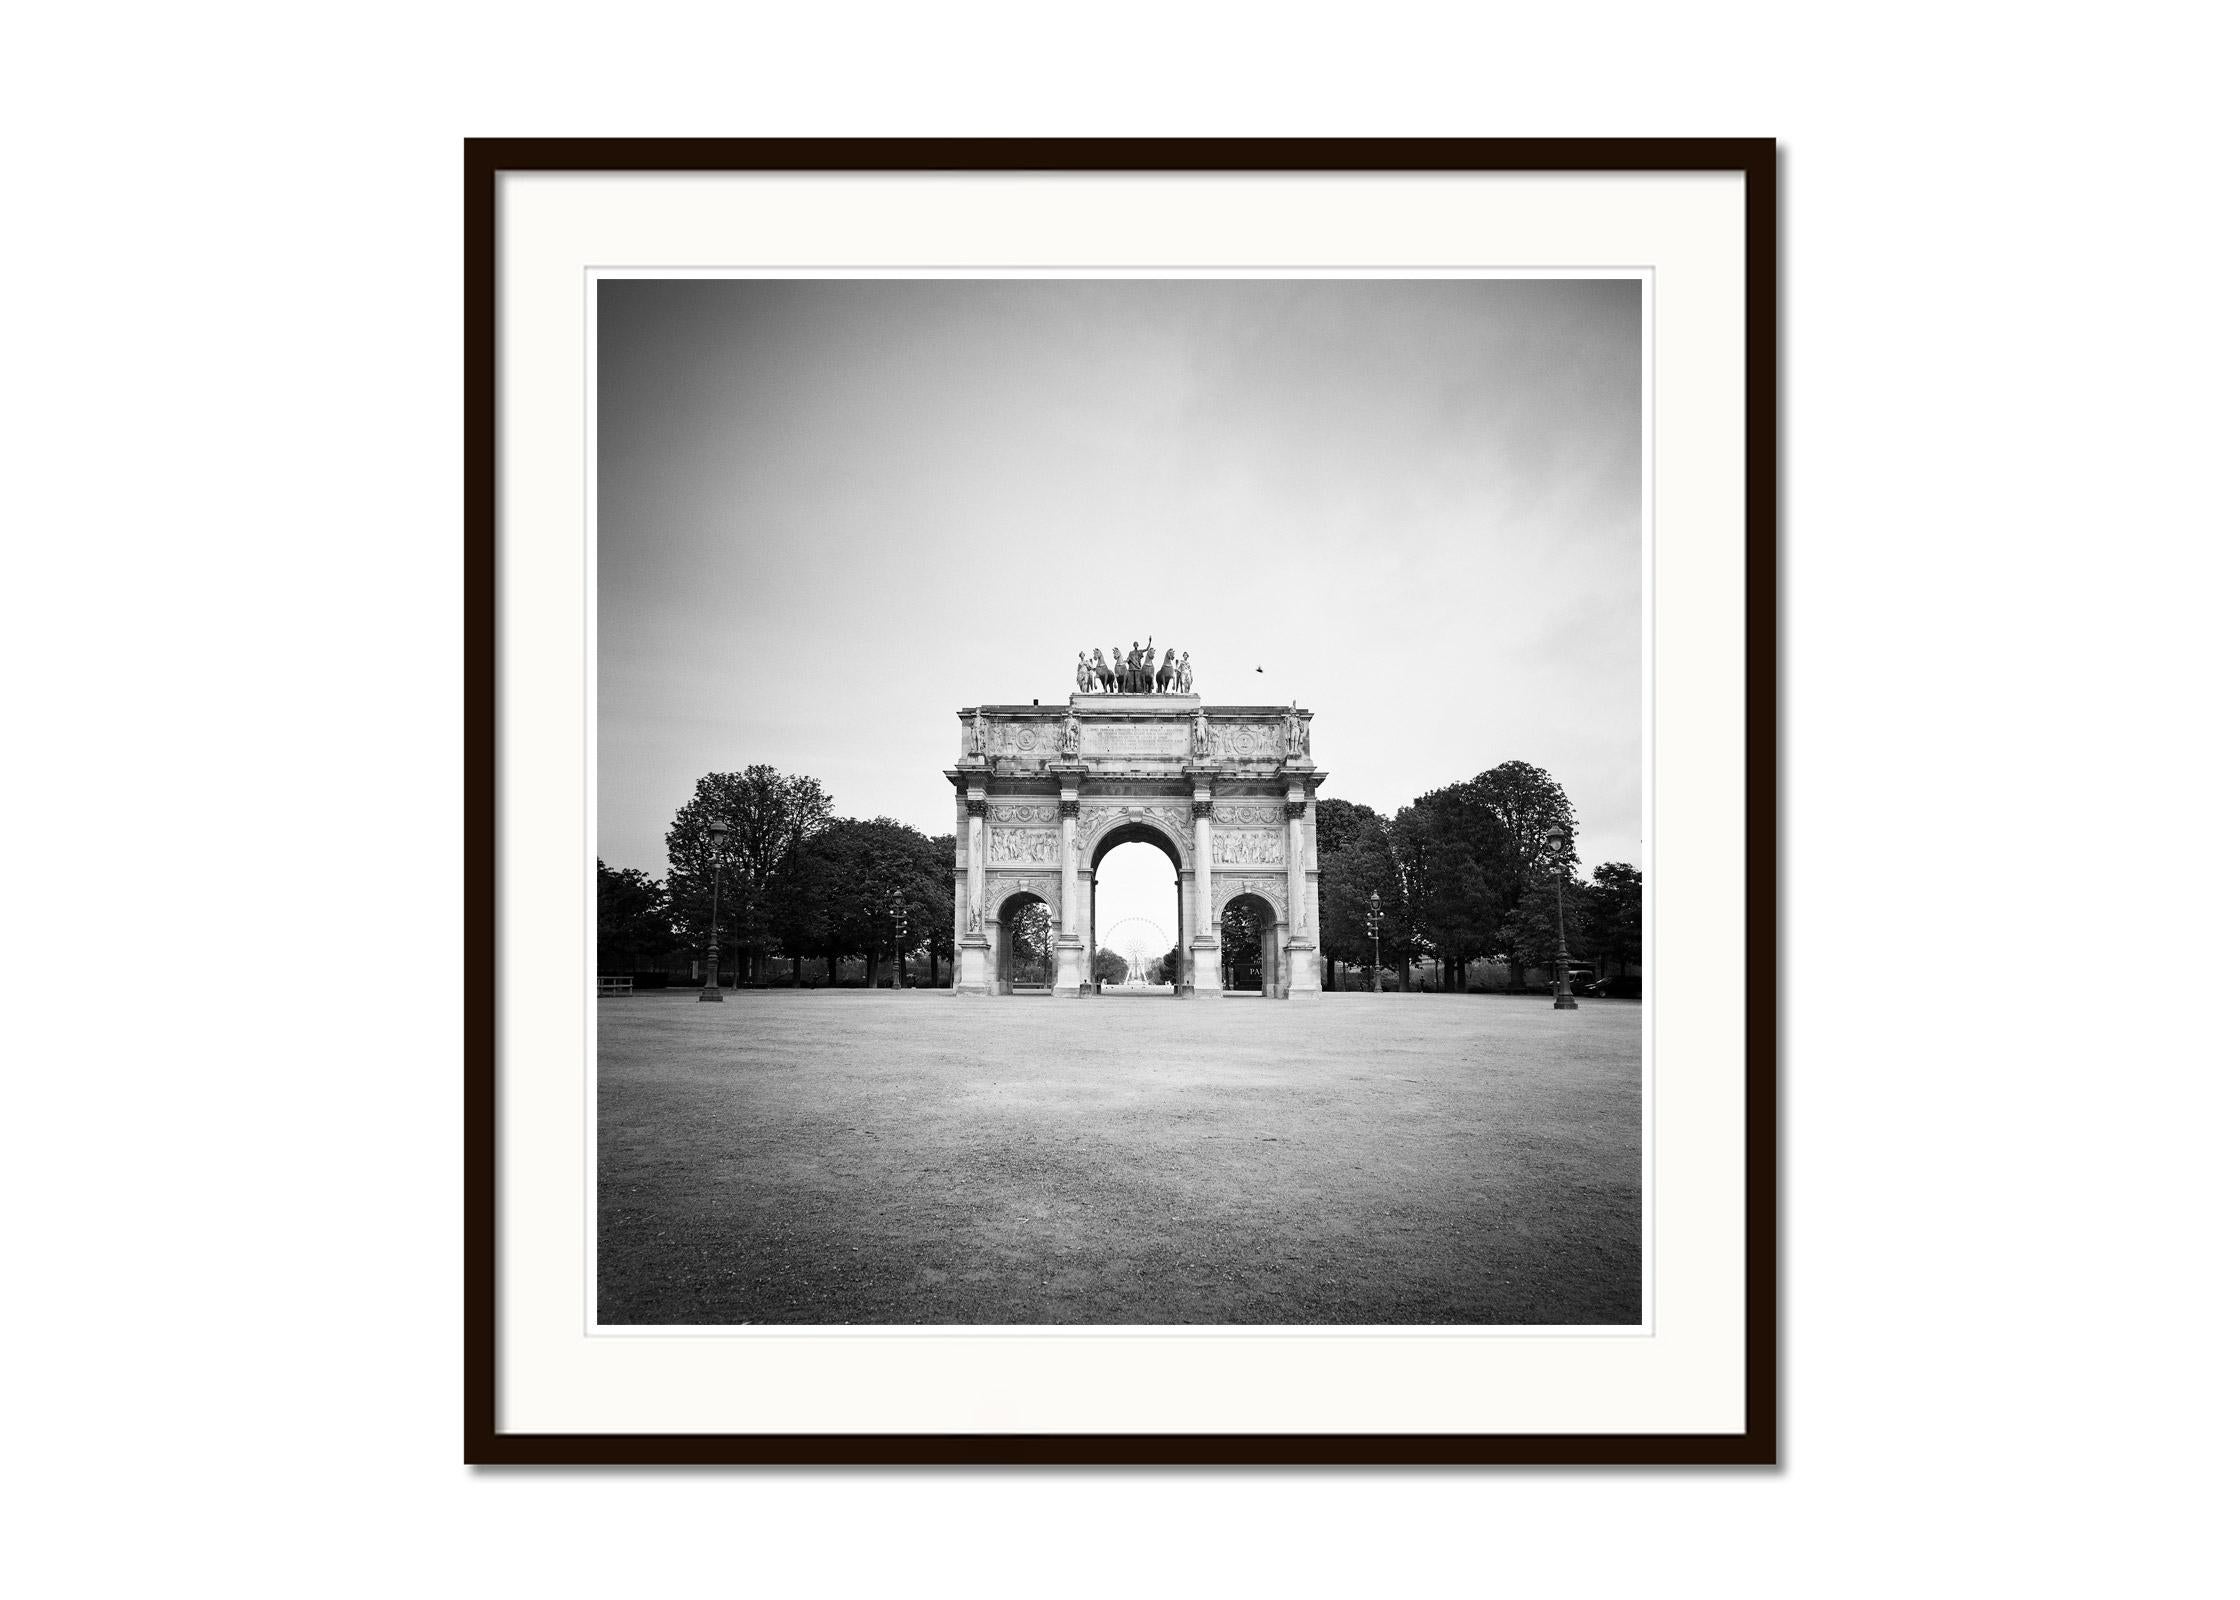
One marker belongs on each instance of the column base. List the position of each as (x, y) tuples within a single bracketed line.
[(1068, 984), (1205, 969), (1306, 970), (972, 965)]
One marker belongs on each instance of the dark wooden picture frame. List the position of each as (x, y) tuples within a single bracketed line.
[(487, 163)]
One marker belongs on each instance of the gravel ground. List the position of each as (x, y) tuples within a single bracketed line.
[(843, 1157)]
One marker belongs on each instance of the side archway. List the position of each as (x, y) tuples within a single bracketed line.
[(1250, 917), (1025, 927)]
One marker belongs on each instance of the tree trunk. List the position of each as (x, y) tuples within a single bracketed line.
[(831, 970), (797, 971)]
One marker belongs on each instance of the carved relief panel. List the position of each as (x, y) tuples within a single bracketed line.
[(1247, 742), (1022, 813), (1233, 848), (1022, 845)]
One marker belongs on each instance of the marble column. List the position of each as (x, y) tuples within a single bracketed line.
[(1070, 975), (1304, 966), (1205, 943), (972, 953)]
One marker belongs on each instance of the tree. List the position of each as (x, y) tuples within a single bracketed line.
[(1339, 823), (838, 898), (1111, 965), (1607, 917), (1441, 846), (1470, 854), (769, 815), (1354, 847), (635, 924), (1030, 944)]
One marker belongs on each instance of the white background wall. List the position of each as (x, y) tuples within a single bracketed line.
[(232, 512)]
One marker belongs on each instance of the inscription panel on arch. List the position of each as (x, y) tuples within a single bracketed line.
[(1136, 739)]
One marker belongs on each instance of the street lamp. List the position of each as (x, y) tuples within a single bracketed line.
[(717, 832), (901, 917), (1564, 1002), (1376, 943)]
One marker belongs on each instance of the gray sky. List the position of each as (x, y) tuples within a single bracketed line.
[(833, 512)]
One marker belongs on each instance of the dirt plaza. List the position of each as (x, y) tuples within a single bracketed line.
[(844, 1157)]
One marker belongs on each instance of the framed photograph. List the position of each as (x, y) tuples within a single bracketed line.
[(1121, 795)]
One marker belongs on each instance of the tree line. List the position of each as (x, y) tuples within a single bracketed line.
[(1471, 871), (1464, 872), (798, 885)]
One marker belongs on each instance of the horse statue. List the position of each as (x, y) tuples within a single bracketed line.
[(1103, 673), (1166, 672)]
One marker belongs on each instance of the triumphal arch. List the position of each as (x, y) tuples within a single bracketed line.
[(1227, 792)]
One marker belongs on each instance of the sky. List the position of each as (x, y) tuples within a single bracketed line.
[(833, 512)]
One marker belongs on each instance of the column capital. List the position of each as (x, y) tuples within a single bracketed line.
[(1294, 809), (1201, 808), (1069, 807), (976, 806)]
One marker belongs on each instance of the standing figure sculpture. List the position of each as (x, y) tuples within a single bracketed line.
[(1083, 678), (1291, 737), (1135, 670), (1201, 738), (976, 736), (1166, 672), (1182, 674), (1070, 744), (1150, 659)]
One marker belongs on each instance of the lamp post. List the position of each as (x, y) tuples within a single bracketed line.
[(901, 916), (717, 832), (1564, 1002), (1376, 942)]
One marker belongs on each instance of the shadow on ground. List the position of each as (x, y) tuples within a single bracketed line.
[(852, 1157)]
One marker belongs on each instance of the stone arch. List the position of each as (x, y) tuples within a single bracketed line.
[(1004, 905), (1167, 827), (1145, 826), (1272, 890), (1267, 900)]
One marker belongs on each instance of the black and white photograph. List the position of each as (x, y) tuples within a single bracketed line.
[(1213, 800), (1120, 801)]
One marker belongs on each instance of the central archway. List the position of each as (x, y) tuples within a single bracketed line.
[(1127, 831)]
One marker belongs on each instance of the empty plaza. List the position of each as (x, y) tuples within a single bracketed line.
[(852, 1157)]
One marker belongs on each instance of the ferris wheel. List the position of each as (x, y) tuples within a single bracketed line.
[(1142, 942)]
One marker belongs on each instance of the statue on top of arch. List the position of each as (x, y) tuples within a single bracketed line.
[(1136, 670)]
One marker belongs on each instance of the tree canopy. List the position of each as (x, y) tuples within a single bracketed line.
[(635, 926), (1463, 871)]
